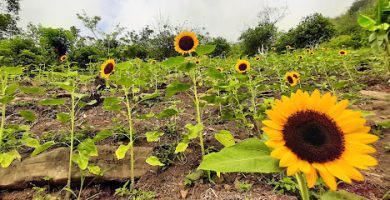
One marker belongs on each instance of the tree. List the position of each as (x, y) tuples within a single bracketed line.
[(9, 18), (222, 47), (260, 38)]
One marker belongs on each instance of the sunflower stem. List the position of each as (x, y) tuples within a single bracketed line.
[(72, 121), (303, 189), (130, 120), (198, 117), (3, 107)]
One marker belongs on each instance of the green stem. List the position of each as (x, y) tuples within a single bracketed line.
[(198, 117), (349, 73), (72, 120), (130, 120), (303, 189), (253, 96), (3, 107)]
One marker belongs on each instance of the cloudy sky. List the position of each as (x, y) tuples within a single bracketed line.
[(227, 18)]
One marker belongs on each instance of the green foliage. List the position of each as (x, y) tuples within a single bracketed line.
[(342, 195), (20, 51), (286, 185), (258, 39), (354, 41), (56, 40), (250, 155), (242, 186), (312, 30), (222, 47)]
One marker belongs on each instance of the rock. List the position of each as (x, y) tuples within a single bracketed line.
[(183, 193), (54, 165), (376, 94)]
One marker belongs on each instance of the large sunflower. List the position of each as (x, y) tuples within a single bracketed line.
[(242, 66), (186, 42), (107, 68), (314, 133)]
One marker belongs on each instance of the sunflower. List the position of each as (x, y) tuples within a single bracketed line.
[(220, 69), (152, 61), (186, 42), (343, 52), (107, 68), (242, 66), (197, 61), (312, 53), (289, 47), (314, 133), (257, 58), (308, 50), (300, 57), (63, 58), (292, 78)]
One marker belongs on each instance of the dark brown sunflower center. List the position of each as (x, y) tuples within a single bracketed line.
[(186, 43), (108, 68), (242, 67), (313, 137), (342, 52), (290, 79), (295, 76)]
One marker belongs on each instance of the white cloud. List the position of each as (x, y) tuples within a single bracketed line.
[(227, 18)]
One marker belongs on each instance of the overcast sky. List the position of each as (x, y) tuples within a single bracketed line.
[(226, 18)]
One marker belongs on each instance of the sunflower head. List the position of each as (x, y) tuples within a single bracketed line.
[(311, 52), (197, 61), (289, 47), (300, 57), (107, 68), (152, 61), (308, 50), (63, 58), (220, 69), (315, 134), (242, 66), (343, 52), (186, 42), (292, 78), (257, 58)]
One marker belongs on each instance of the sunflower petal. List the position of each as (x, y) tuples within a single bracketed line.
[(311, 177), (336, 170), (351, 171), (288, 159), (292, 169), (276, 117), (329, 180), (272, 124), (275, 143), (304, 166), (363, 138), (338, 108), (279, 152), (359, 147)]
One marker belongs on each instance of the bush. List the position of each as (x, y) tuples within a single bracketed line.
[(354, 41), (19, 51), (257, 39), (222, 47)]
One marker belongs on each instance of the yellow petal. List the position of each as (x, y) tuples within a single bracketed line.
[(346, 115), (275, 143), (276, 117), (311, 177), (279, 152), (314, 99), (338, 108), (304, 166), (272, 124), (288, 159), (350, 126), (363, 138), (336, 169), (329, 180), (359, 147), (272, 133), (351, 171), (326, 102), (361, 129), (292, 169)]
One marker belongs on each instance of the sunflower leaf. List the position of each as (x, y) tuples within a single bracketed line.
[(42, 148), (153, 136), (225, 137), (250, 155), (181, 147), (342, 194), (52, 102), (120, 153), (205, 49), (27, 115), (33, 90), (174, 61), (154, 161), (176, 87)]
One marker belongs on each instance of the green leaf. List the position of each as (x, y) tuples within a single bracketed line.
[(193, 131), (80, 96), (186, 67), (88, 147), (10, 89), (6, 99), (150, 96), (250, 155), (65, 86), (120, 153), (340, 195), (341, 84), (125, 81), (33, 90), (174, 61), (153, 161), (52, 102), (96, 170), (112, 103), (102, 135), (7, 158), (153, 136), (205, 49), (42, 148), (27, 115), (167, 113), (181, 147), (365, 21), (176, 87), (225, 137), (12, 70), (30, 142), (63, 117), (81, 160), (214, 73)]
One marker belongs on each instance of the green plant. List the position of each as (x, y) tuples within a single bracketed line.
[(285, 185), (242, 186)]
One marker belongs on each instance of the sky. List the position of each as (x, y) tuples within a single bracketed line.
[(226, 18)]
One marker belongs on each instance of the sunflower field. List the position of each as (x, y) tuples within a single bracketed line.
[(194, 121)]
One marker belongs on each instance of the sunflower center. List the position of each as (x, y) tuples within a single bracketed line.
[(186, 43), (109, 68), (313, 137), (342, 52), (242, 67), (290, 79)]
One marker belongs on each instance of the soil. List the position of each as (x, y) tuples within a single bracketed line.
[(168, 183)]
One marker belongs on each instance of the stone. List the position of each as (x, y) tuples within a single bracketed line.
[(376, 94), (54, 165)]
